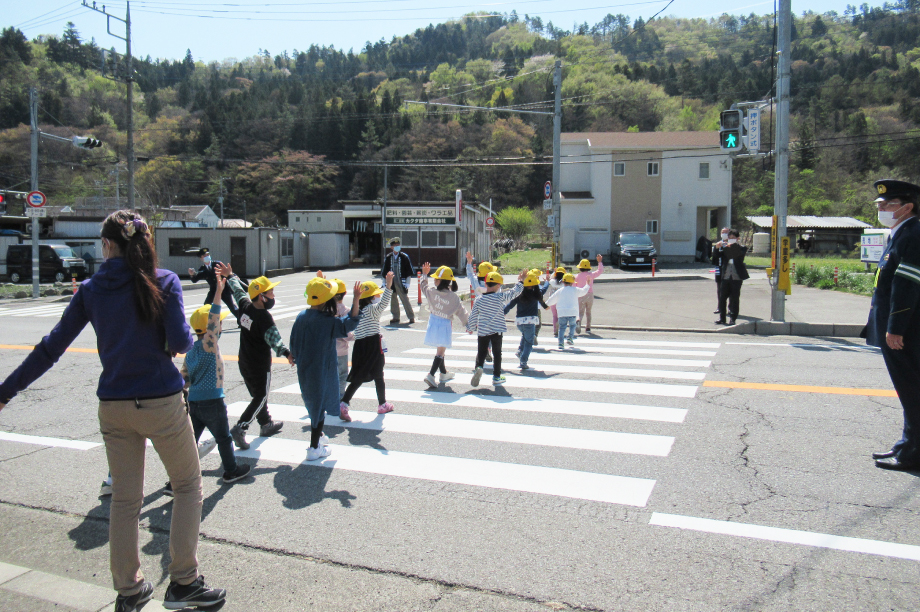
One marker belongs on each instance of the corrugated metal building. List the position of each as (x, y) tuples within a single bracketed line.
[(817, 234)]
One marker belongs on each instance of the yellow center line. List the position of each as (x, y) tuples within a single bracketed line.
[(800, 388), (20, 347)]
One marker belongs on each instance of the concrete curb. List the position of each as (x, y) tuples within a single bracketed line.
[(757, 328)]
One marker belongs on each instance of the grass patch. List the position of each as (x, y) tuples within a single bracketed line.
[(10, 291), (515, 261), (848, 280), (806, 262)]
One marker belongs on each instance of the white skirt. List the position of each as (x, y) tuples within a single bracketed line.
[(440, 332)]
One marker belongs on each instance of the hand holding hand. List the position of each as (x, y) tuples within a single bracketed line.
[(389, 280), (426, 268), (290, 358)]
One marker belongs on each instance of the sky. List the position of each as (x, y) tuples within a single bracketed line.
[(217, 31)]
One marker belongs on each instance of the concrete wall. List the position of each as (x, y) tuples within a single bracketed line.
[(317, 220), (328, 249), (585, 222)]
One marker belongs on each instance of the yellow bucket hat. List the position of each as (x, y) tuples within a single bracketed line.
[(568, 278), (443, 273), (341, 286), (260, 285), (485, 267), (531, 280), (370, 289), (199, 318), (319, 291), (494, 277), (584, 264)]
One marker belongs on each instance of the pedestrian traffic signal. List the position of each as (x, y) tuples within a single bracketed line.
[(730, 130), (85, 142)]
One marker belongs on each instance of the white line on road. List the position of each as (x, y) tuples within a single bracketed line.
[(574, 357), (561, 437), (43, 441), (789, 536), (574, 369), (475, 472), (613, 342), (521, 404), (606, 349)]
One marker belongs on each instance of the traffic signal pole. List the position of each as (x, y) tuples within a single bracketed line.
[(781, 182), (557, 146)]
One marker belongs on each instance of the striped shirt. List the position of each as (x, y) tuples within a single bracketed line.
[(370, 316), (488, 314)]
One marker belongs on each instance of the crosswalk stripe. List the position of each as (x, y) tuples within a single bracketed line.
[(574, 357), (563, 384), (571, 369), (615, 342), (609, 349), (474, 472), (38, 311), (561, 437), (521, 404), (44, 441)]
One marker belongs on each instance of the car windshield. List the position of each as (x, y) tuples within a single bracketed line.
[(635, 240), (64, 252)]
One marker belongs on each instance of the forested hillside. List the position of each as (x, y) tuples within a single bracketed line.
[(306, 128)]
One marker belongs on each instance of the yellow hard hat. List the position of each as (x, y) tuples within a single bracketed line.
[(561, 269), (199, 318), (443, 273), (319, 291), (341, 286), (568, 278), (584, 264), (531, 280), (370, 289), (536, 272), (485, 267), (494, 277), (260, 285)]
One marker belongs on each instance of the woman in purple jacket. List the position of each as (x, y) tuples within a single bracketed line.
[(137, 313)]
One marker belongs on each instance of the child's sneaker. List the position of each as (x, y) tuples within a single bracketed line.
[(385, 408), (270, 428), (445, 376), (239, 437), (343, 412), (498, 380), (241, 471), (106, 489), (524, 366), (318, 453), (206, 447), (578, 327), (477, 374), (323, 439), (180, 596), (130, 603), (570, 342), (489, 357), (167, 490), (431, 381), (561, 346), (517, 353), (535, 343)]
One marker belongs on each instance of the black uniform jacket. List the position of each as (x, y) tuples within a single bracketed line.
[(207, 273), (405, 265), (734, 253), (897, 288), (717, 259)]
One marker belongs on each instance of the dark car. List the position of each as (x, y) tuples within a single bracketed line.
[(633, 248), (55, 261)]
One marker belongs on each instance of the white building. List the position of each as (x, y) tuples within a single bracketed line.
[(675, 186), (204, 215)]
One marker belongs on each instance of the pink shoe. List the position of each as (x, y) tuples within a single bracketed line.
[(385, 408), (343, 409)]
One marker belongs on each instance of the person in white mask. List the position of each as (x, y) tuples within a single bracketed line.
[(717, 263), (734, 273), (894, 318), (206, 273)]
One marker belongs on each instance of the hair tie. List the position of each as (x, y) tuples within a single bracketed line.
[(131, 227)]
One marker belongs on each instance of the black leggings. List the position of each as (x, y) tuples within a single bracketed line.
[(315, 433), (495, 340), (353, 388)]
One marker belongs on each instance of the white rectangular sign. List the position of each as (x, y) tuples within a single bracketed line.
[(551, 221), (873, 239), (753, 130), (36, 212), (548, 204), (871, 253)]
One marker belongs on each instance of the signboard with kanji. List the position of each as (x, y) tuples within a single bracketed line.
[(421, 216)]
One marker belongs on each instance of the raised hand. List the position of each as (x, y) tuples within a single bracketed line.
[(357, 290), (426, 268), (469, 257), (390, 280), (191, 271), (319, 274), (224, 270), (600, 258)]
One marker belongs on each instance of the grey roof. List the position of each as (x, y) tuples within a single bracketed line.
[(810, 222)]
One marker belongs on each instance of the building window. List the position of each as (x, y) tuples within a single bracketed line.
[(183, 246), (651, 226), (296, 219), (704, 170), (287, 247), (653, 168), (434, 239), (619, 168), (319, 219), (407, 239)]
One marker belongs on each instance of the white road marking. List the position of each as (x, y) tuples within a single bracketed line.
[(574, 369), (43, 441), (563, 384), (475, 472), (604, 349), (574, 357), (789, 536), (561, 437), (614, 342), (521, 404)]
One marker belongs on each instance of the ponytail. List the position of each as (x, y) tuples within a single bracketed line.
[(131, 233)]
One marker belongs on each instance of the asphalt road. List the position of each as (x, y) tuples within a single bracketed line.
[(633, 472)]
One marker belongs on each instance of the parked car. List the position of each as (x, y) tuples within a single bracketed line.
[(55, 261), (633, 248)]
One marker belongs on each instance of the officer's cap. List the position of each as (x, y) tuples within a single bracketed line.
[(395, 241), (202, 252), (890, 189)]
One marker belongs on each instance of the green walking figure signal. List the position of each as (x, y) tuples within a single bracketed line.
[(730, 130)]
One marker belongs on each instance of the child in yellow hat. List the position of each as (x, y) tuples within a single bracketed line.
[(367, 358), (342, 345), (566, 302), (477, 278), (443, 305), (527, 317), (487, 320), (555, 284), (585, 277), (313, 344)]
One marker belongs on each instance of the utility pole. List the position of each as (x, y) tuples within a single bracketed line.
[(557, 146), (383, 215), (220, 200), (781, 182), (34, 133)]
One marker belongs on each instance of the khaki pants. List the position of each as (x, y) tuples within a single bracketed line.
[(125, 426), (585, 303), (400, 296)]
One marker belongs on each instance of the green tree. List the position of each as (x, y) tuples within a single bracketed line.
[(516, 222)]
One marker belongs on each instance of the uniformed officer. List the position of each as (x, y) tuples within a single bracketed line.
[(206, 272), (894, 319)]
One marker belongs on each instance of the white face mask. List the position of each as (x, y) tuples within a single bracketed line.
[(375, 300), (732, 240), (886, 218), (724, 236)]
